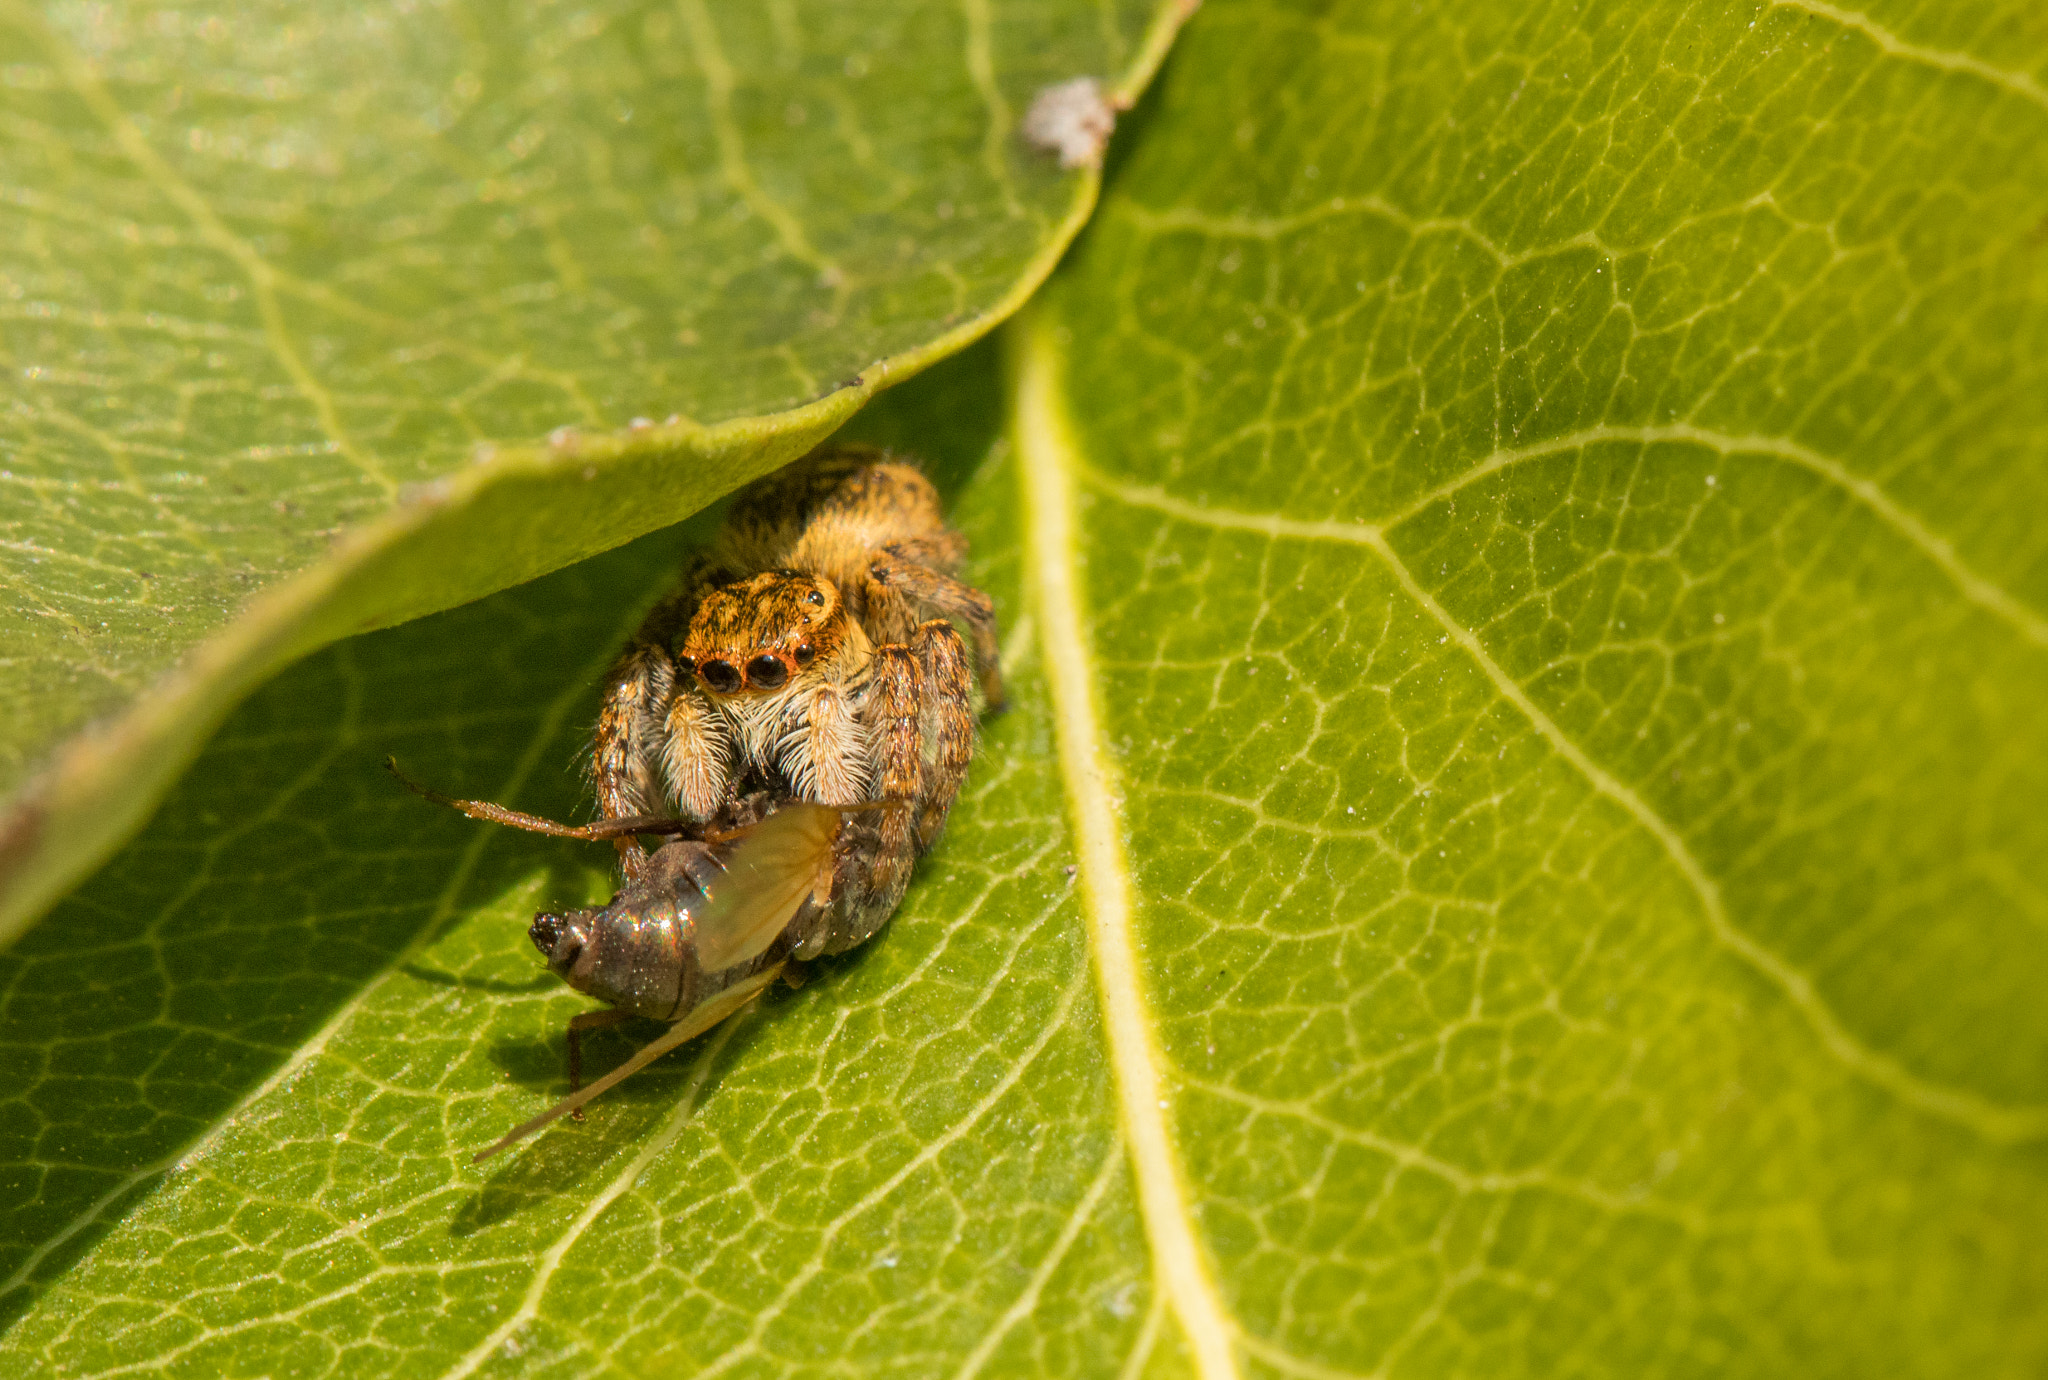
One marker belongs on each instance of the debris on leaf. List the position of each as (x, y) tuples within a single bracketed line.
[(1073, 119)]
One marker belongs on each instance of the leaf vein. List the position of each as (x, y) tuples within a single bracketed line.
[(732, 156), (551, 1258), (2020, 84), (1048, 468), (213, 230), (1995, 1123), (1026, 1302), (1984, 593)]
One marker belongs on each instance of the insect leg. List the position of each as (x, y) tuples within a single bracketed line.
[(899, 567), (942, 661), (688, 1028), (588, 1020)]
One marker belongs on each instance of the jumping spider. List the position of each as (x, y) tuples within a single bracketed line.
[(809, 655)]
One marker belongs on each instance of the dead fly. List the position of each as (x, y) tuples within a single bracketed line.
[(799, 716), (705, 924)]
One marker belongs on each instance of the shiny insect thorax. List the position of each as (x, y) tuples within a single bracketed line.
[(810, 655)]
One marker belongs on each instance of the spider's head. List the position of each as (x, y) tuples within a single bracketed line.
[(763, 633)]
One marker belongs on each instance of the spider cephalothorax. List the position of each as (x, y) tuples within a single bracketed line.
[(762, 634), (811, 656)]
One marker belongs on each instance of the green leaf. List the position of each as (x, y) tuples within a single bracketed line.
[(252, 1056), (317, 320), (1567, 613), (1527, 608)]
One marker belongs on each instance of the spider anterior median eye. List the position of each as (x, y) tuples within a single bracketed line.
[(721, 676), (766, 672), (805, 653)]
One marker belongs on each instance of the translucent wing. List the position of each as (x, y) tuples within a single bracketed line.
[(780, 861)]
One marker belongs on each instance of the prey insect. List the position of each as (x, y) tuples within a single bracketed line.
[(706, 925), (797, 718)]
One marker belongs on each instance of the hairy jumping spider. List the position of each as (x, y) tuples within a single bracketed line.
[(809, 654)]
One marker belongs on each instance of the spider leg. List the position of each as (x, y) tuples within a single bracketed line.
[(636, 693), (696, 753), (823, 748), (943, 551), (915, 572), (635, 718), (949, 710), (888, 615), (895, 718)]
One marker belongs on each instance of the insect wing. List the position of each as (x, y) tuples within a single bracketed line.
[(776, 865)]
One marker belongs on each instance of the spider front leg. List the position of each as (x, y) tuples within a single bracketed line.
[(949, 713), (637, 692), (822, 748), (696, 753), (645, 723), (914, 572), (896, 721)]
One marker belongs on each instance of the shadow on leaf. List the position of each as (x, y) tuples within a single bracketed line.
[(284, 878), (568, 1154)]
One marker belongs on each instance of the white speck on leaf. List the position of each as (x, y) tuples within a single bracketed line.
[(1073, 119)]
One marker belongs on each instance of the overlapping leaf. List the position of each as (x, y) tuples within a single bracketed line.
[(1556, 589), (326, 983), (317, 319)]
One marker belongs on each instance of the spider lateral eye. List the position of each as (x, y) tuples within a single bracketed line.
[(721, 676), (815, 598), (766, 672), (805, 653), (686, 666)]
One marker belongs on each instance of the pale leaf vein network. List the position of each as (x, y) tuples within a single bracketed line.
[(1994, 1122)]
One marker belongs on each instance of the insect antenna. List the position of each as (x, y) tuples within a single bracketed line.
[(518, 819)]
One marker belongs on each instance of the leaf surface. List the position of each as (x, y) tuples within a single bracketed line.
[(324, 983), (1562, 584), (318, 320), (1526, 624)]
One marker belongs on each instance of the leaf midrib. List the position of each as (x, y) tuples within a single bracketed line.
[(1049, 462)]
